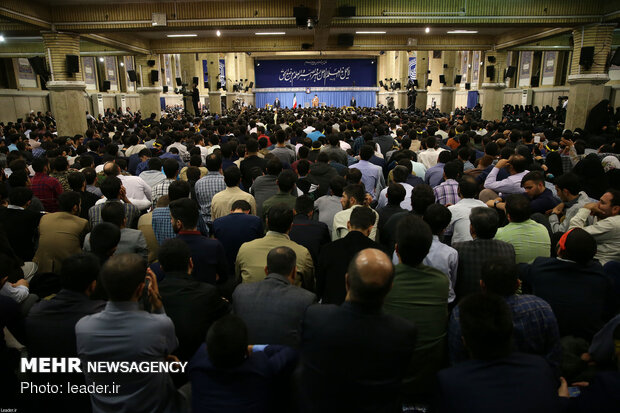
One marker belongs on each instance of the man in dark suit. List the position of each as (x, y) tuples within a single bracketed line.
[(192, 305), (306, 231), (353, 103), (276, 104), (273, 308), (353, 356), (251, 160), (195, 99), (20, 223), (495, 379), (335, 256)]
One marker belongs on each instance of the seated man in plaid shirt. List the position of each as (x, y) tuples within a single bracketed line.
[(447, 193)]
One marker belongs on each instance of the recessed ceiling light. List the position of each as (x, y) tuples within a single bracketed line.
[(462, 31), (101, 59), (1, 38), (182, 35), (270, 33), (427, 30), (366, 32), (122, 64), (218, 33)]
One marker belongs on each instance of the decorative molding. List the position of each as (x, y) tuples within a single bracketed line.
[(316, 89), (447, 89), (150, 89), (594, 78), (24, 93), (60, 85), (501, 85)]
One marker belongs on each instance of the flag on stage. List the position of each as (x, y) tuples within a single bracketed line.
[(294, 100)]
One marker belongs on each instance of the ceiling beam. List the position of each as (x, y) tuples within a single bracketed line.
[(518, 38), (326, 10)]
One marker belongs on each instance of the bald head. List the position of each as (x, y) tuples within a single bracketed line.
[(111, 169), (369, 277)]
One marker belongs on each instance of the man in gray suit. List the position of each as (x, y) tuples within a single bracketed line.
[(273, 308)]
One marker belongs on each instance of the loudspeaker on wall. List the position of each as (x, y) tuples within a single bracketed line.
[(73, 63)]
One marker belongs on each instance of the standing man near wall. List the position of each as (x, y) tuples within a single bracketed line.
[(195, 99)]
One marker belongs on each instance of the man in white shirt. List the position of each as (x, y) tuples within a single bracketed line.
[(136, 188), (507, 186), (468, 187), (429, 156)]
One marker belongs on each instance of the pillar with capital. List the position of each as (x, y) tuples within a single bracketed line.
[(67, 90), (448, 90), (149, 90), (493, 87), (215, 96), (421, 70), (586, 82)]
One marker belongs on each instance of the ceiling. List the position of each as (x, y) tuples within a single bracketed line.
[(127, 24)]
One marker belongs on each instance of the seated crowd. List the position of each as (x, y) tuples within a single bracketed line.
[(315, 260)]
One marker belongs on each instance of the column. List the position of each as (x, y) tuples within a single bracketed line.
[(586, 84), (249, 74), (493, 88), (450, 63), (149, 91), (421, 73), (230, 60), (67, 91), (215, 96), (402, 76)]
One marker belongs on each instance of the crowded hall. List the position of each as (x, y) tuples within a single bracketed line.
[(309, 206)]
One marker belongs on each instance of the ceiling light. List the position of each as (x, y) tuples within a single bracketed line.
[(462, 31), (270, 33), (182, 35), (122, 64), (427, 30), (369, 32), (1, 38), (218, 33), (153, 23), (101, 59)]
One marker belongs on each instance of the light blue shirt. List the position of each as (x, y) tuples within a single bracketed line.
[(372, 177)]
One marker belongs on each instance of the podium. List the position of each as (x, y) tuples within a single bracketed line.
[(188, 105)]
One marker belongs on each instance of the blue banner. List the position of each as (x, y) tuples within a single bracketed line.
[(222, 71), (412, 67), (316, 73)]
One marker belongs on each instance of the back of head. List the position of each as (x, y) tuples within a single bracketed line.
[(569, 181), (178, 190), (69, 199), (336, 185), (356, 191), (362, 218), (438, 217), (232, 176), (396, 194), (485, 222), (111, 187), (444, 157), (468, 186), (104, 238), (114, 213), (400, 173), (353, 176), (20, 196), (453, 169), (214, 162), (304, 205), (121, 275), (369, 277), (518, 162), (413, 238), (286, 180), (281, 260), (366, 152), (577, 245), (79, 271), (422, 196), (274, 166), (500, 276), (279, 218), (171, 168), (518, 208), (186, 211), (174, 255), (242, 205), (155, 164), (486, 326), (76, 181), (227, 342)]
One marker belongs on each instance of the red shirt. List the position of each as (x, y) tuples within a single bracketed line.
[(47, 189)]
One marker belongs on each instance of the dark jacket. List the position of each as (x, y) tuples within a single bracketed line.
[(333, 262), (321, 174), (208, 256), (272, 310), (310, 234), (580, 295), (246, 166), (353, 358), (21, 228), (193, 306)]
